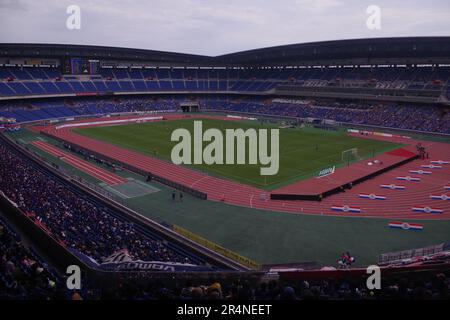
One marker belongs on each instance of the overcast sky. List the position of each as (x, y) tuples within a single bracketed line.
[(214, 27)]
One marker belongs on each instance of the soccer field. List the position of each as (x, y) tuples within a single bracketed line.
[(303, 151), (261, 235)]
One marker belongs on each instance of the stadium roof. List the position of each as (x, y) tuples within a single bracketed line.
[(378, 48), (359, 51), (35, 50)]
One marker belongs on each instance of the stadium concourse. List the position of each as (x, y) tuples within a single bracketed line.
[(413, 202)]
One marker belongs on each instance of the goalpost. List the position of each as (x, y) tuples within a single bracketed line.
[(350, 155)]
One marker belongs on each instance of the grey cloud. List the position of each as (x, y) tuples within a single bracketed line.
[(215, 27)]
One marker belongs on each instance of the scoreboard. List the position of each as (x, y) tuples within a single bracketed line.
[(77, 66)]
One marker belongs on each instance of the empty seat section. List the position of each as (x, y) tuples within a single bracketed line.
[(213, 85), (191, 85), (37, 73), (165, 85), (100, 85), (21, 74), (121, 73), (149, 73), (126, 86), (89, 86), (140, 85), (34, 87), (5, 90), (76, 85), (112, 85), (178, 85), (19, 88), (4, 73), (64, 86), (50, 87), (152, 85), (135, 74), (52, 73)]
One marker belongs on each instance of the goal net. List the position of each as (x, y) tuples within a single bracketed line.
[(350, 155)]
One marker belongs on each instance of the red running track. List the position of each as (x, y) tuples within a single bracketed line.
[(398, 204), (82, 165), (345, 175)]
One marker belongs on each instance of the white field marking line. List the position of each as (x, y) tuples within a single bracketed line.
[(140, 194), (197, 181), (143, 184), (81, 165), (79, 162), (105, 123), (297, 175), (319, 160), (117, 192), (67, 160), (101, 172), (83, 168), (149, 153), (84, 163), (44, 147), (225, 174), (255, 182), (290, 150), (100, 176)]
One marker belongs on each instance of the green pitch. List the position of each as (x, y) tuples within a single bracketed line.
[(303, 151), (265, 236)]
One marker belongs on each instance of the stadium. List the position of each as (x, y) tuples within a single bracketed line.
[(362, 177)]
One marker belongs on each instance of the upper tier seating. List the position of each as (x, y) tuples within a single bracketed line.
[(16, 81)]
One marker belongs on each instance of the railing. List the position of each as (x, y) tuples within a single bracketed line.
[(217, 248)]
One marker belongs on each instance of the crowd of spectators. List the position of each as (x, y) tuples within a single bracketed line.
[(105, 106), (422, 118), (391, 115), (73, 218), (94, 230), (90, 228), (405, 287), (23, 275)]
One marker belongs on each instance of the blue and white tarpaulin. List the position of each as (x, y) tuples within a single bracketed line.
[(371, 196), (408, 178), (440, 162), (427, 209), (346, 208), (431, 166), (405, 225), (440, 197), (392, 187), (420, 172)]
